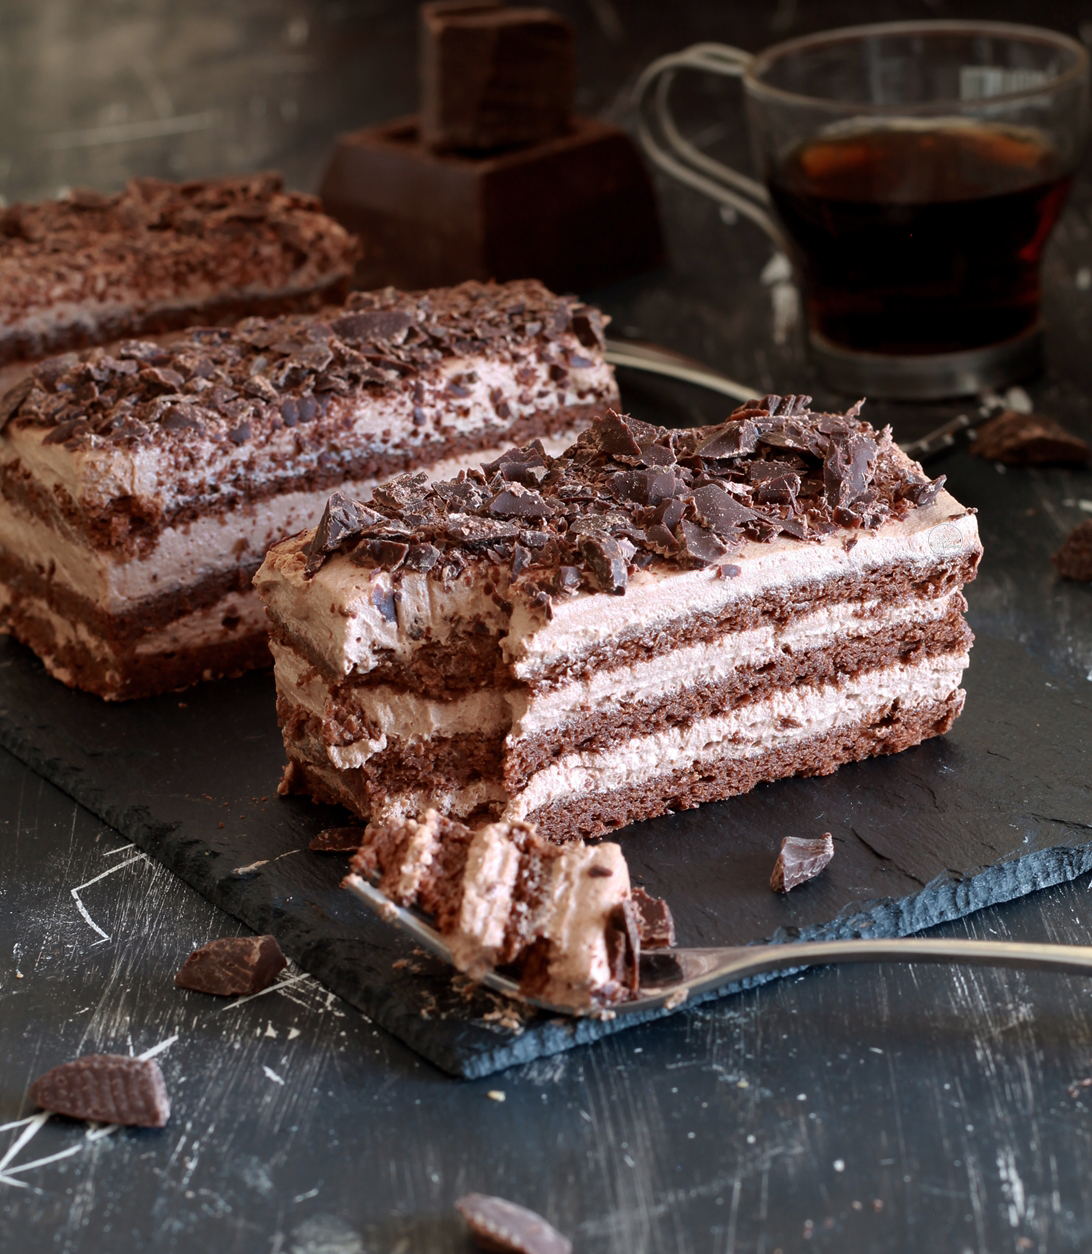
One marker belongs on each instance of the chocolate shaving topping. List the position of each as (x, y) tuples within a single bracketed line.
[(505, 1228), (338, 840), (232, 966), (107, 1088), (13, 398), (252, 384), (342, 519), (800, 859), (607, 561), (607, 508)]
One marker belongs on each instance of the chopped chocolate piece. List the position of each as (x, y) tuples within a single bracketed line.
[(800, 859), (422, 557), (733, 439), (1029, 440), (504, 1228), (615, 436), (232, 965), (493, 77), (370, 325), (106, 1088), (568, 579), (657, 925), (924, 493), (720, 511), (520, 502), (338, 840), (521, 559), (13, 398), (605, 556), (1074, 559), (342, 519), (703, 546)]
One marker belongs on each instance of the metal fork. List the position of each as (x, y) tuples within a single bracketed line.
[(654, 359), (670, 976)]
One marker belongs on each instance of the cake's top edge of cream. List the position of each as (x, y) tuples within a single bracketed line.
[(630, 496)]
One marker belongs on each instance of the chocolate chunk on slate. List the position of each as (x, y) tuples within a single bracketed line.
[(1074, 558), (657, 926), (1029, 440), (734, 439), (505, 1228), (232, 965), (800, 859), (338, 840), (493, 77), (108, 1088)]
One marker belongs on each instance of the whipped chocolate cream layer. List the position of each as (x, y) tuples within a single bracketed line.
[(506, 649), (90, 268), (502, 895), (148, 483)]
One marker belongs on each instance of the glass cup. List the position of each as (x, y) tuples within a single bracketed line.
[(914, 171)]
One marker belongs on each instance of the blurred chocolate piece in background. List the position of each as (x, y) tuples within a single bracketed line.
[(1029, 440), (493, 77), (495, 179)]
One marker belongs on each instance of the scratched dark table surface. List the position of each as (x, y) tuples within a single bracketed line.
[(875, 1109)]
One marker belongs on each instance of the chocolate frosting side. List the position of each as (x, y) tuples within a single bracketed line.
[(628, 495), (241, 385), (157, 241)]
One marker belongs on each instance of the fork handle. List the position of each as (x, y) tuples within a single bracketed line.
[(704, 969)]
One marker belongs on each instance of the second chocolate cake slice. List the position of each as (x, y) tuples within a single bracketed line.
[(140, 487)]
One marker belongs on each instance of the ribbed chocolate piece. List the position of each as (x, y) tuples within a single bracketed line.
[(800, 859), (494, 77), (233, 965), (628, 495), (1029, 440), (107, 1088), (504, 1228), (1074, 559)]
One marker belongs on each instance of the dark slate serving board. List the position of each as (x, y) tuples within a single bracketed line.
[(999, 807)]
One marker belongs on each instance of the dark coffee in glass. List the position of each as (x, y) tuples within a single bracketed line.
[(915, 171), (921, 239)]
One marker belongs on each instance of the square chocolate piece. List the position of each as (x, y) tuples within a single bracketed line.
[(493, 77)]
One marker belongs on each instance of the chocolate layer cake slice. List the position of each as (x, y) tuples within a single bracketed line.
[(565, 919), (652, 620), (140, 487), (158, 256)]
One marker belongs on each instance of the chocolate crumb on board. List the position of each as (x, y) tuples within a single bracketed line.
[(232, 965), (1074, 559), (505, 1228), (1029, 440), (800, 859), (656, 923), (338, 840), (108, 1088)]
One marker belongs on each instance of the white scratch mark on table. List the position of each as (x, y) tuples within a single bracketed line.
[(158, 1049), (273, 988), (140, 857)]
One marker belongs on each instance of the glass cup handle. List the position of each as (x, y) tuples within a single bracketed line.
[(677, 156)]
